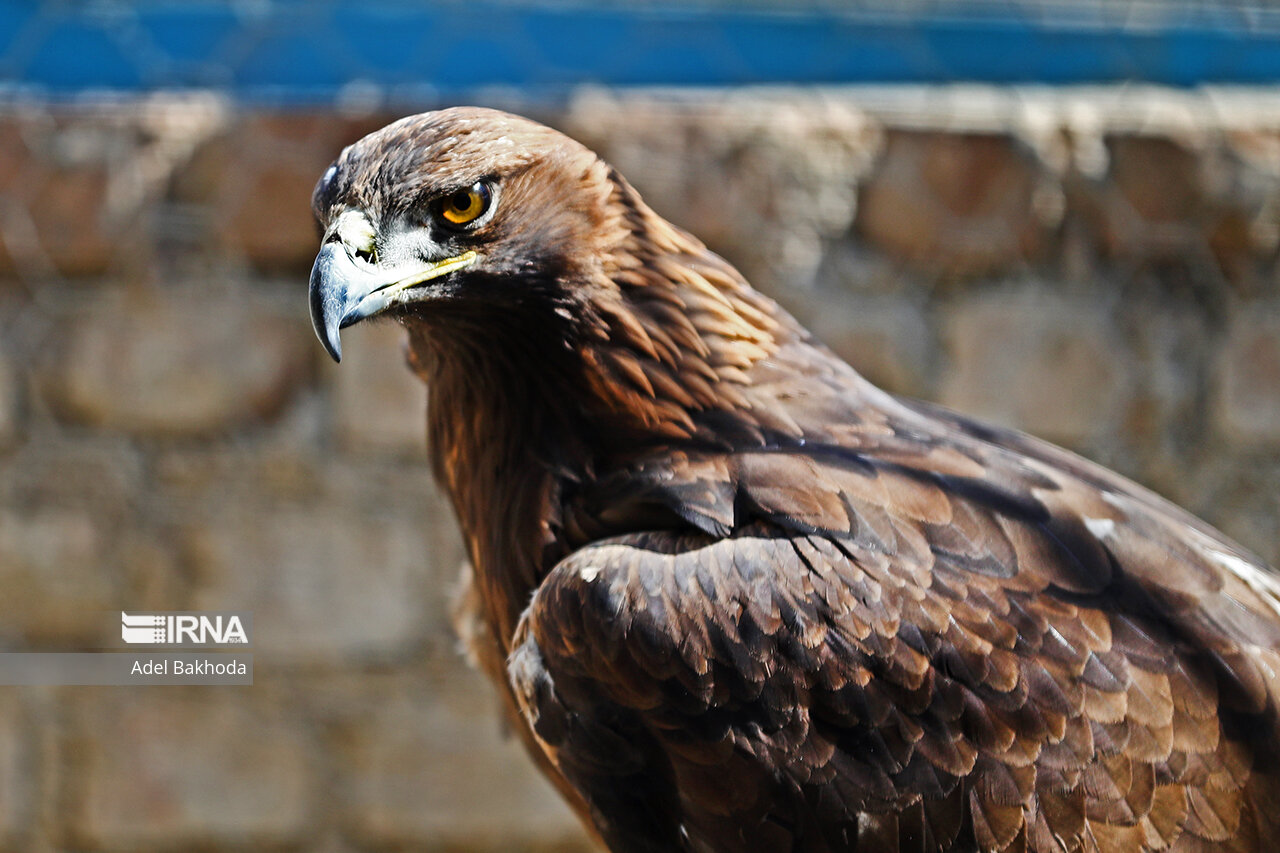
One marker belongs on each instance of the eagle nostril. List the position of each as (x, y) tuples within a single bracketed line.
[(357, 236)]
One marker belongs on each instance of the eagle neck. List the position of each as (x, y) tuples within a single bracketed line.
[(502, 437)]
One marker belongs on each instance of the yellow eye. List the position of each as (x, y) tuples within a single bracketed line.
[(465, 206)]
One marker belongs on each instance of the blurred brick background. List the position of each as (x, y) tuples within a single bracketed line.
[(1098, 267)]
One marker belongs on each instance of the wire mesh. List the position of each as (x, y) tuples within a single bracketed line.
[(285, 51)]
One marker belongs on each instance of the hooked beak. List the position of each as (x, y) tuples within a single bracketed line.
[(344, 292)]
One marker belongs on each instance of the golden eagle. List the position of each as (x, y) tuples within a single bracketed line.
[(743, 600)]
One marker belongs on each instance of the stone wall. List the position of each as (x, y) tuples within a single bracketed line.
[(1098, 267)]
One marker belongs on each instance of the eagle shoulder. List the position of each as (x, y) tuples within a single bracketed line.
[(849, 648)]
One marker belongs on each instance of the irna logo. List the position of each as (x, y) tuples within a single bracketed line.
[(184, 629)]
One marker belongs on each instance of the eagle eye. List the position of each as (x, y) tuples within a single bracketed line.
[(464, 206)]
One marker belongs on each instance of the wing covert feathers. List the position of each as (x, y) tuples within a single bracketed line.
[(860, 650)]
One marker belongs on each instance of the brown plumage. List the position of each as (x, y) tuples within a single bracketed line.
[(743, 600)]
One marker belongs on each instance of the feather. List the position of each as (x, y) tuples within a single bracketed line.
[(748, 601)]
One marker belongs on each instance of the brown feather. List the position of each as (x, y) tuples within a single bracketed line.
[(747, 601)]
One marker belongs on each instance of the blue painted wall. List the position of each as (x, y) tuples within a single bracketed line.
[(309, 51)]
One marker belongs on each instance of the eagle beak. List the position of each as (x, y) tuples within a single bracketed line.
[(344, 292)]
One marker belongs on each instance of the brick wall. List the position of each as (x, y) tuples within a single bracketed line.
[(1098, 267)]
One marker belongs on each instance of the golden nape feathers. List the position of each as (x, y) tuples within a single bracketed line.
[(740, 599)]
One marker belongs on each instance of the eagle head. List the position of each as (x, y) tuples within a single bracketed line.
[(456, 209)]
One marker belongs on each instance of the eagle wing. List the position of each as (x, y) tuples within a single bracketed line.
[(955, 639)]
